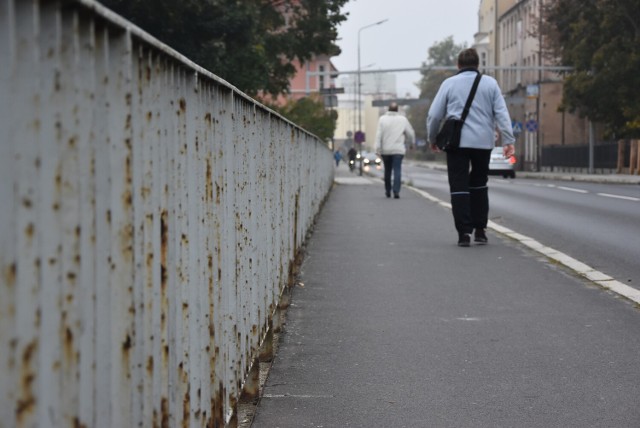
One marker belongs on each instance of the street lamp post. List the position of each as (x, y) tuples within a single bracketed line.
[(359, 86)]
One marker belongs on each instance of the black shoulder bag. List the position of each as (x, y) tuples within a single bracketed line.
[(448, 137)]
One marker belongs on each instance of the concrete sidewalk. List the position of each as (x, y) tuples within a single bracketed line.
[(396, 326)]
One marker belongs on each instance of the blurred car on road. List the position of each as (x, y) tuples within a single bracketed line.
[(371, 159), (499, 165)]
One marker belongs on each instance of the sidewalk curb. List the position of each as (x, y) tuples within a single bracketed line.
[(587, 178)]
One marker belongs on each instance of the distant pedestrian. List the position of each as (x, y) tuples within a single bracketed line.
[(469, 191), (393, 134), (337, 156)]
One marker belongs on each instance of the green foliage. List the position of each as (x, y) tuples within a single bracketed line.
[(443, 53), (601, 40), (249, 43), (310, 114)]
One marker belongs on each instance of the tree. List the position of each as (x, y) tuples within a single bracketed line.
[(442, 54), (249, 43), (310, 114), (600, 39)]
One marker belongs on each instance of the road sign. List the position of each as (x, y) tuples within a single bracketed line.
[(531, 125), (331, 91), (359, 137), (517, 127), (533, 91)]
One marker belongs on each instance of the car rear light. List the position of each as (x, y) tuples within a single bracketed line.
[(512, 160)]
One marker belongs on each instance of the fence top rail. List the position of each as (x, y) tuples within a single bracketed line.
[(116, 20)]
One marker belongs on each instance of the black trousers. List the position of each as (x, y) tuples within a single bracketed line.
[(468, 171)]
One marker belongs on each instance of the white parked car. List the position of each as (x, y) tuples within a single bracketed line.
[(499, 165)]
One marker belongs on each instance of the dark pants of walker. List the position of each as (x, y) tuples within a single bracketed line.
[(392, 163), (469, 191)]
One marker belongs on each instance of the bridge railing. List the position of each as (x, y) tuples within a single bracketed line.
[(150, 217)]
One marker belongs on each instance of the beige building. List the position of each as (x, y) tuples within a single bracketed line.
[(508, 38), (487, 38)]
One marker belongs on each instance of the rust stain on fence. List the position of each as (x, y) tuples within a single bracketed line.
[(163, 252), (149, 366), (208, 181), (68, 347), (10, 275), (26, 402)]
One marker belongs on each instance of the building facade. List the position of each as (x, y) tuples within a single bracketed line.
[(533, 95), (487, 38)]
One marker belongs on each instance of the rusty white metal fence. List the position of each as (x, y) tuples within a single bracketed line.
[(150, 215)]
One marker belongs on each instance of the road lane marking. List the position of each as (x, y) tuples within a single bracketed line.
[(581, 269), (626, 198), (571, 189)]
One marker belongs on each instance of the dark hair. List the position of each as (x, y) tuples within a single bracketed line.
[(468, 58), (393, 106)]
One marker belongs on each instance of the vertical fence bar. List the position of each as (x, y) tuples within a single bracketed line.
[(52, 148), (86, 301), (72, 131), (102, 241), (23, 273), (9, 338), (141, 376), (121, 221), (161, 315)]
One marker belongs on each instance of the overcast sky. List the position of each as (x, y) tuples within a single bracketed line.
[(403, 41)]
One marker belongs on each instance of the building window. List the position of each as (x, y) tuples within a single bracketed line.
[(321, 69)]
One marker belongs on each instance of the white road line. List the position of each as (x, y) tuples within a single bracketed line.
[(626, 198), (582, 269), (571, 189)]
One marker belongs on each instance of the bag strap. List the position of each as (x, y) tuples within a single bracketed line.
[(472, 94)]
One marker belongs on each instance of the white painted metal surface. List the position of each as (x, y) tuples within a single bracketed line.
[(150, 215)]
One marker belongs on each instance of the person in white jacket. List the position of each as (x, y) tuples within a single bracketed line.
[(468, 165), (394, 132)]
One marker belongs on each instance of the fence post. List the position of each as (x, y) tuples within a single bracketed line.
[(620, 167), (633, 157), (638, 157)]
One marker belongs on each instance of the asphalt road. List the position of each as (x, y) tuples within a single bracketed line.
[(592, 222)]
